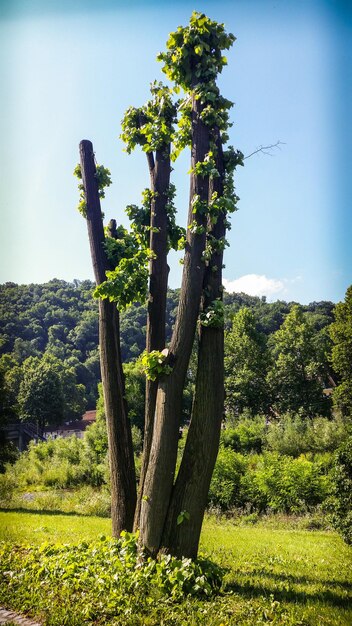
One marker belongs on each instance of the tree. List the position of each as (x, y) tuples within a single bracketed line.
[(169, 513), (135, 392), (40, 395), (297, 371), (7, 413), (246, 364), (341, 356), (122, 469)]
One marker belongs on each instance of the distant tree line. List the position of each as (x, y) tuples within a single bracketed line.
[(279, 357)]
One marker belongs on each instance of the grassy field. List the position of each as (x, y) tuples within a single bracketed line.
[(275, 573)]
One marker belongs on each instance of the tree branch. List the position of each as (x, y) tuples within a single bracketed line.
[(265, 149)]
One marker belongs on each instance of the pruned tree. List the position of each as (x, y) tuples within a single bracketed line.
[(122, 470), (169, 513)]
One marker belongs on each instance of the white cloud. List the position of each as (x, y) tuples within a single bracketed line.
[(255, 285)]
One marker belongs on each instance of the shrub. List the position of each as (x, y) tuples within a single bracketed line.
[(289, 485), (59, 463), (247, 434), (342, 491), (7, 486), (294, 435), (225, 488), (258, 483)]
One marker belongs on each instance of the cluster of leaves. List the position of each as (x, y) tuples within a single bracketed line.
[(127, 283), (140, 217), (206, 168), (154, 364), (103, 176), (110, 579), (152, 125), (213, 246), (213, 316), (194, 53)]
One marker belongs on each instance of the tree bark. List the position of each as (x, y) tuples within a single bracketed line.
[(161, 468), (160, 170), (122, 470), (193, 480)]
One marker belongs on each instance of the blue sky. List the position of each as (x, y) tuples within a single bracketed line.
[(70, 69)]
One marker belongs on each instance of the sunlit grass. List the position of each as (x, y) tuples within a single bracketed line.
[(35, 528), (274, 575)]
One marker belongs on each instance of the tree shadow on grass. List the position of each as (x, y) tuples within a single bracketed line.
[(50, 512), (327, 596)]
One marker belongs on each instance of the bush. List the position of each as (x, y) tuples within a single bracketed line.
[(342, 491), (258, 483), (59, 463), (294, 435), (7, 487), (245, 435), (225, 488), (288, 485)]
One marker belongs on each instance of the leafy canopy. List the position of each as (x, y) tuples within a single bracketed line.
[(194, 52)]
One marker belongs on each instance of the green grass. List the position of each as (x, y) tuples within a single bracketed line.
[(34, 528), (276, 573)]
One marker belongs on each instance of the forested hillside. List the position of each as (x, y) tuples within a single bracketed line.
[(49, 342), (61, 318)]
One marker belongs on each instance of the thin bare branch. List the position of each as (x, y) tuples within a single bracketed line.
[(265, 149)]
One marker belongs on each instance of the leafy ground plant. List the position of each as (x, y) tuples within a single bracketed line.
[(107, 580)]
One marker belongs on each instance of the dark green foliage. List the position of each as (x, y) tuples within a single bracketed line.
[(296, 375), (341, 357), (246, 364), (295, 435), (342, 491), (7, 451), (61, 319), (268, 482), (40, 396), (245, 435)]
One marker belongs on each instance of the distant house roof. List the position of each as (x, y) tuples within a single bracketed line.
[(76, 425), (89, 416)]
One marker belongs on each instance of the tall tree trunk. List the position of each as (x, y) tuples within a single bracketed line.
[(193, 480), (123, 480), (161, 468), (160, 170)]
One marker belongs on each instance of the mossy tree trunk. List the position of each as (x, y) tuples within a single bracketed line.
[(189, 497), (162, 462), (159, 169), (122, 470)]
